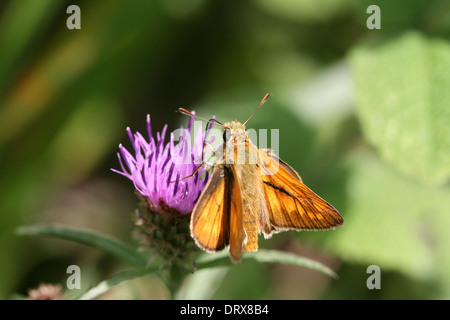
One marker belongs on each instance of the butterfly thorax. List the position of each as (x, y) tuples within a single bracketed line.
[(237, 146)]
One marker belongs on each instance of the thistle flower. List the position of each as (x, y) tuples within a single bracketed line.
[(157, 170), (158, 175)]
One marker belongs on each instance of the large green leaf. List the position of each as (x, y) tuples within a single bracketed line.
[(402, 96), (394, 222)]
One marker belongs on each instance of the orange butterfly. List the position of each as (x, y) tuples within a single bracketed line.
[(256, 193)]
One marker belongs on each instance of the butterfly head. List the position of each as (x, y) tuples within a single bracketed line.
[(234, 130)]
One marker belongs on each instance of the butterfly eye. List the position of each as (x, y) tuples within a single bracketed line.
[(226, 135)]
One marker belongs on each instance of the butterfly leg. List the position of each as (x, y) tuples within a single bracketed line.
[(191, 175), (201, 165), (207, 144), (209, 164)]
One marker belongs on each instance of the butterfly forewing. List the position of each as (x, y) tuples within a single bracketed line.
[(237, 234), (210, 218), (275, 161), (217, 220), (291, 204)]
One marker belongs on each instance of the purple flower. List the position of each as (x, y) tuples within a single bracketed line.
[(157, 168)]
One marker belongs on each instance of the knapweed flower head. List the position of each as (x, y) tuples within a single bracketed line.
[(159, 169), (163, 176)]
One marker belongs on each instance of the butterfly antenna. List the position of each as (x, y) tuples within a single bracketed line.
[(190, 114), (260, 104)]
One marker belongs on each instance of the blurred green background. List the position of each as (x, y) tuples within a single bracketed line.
[(364, 117)]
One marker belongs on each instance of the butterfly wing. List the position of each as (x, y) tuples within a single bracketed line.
[(217, 218), (237, 233), (290, 203), (210, 220), (271, 157)]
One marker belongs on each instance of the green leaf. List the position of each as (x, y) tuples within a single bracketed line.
[(402, 95), (107, 244), (394, 222), (264, 256)]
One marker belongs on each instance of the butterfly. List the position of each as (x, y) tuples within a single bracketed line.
[(252, 191)]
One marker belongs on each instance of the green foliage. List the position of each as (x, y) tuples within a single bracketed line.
[(400, 222), (143, 266), (111, 246), (402, 97)]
